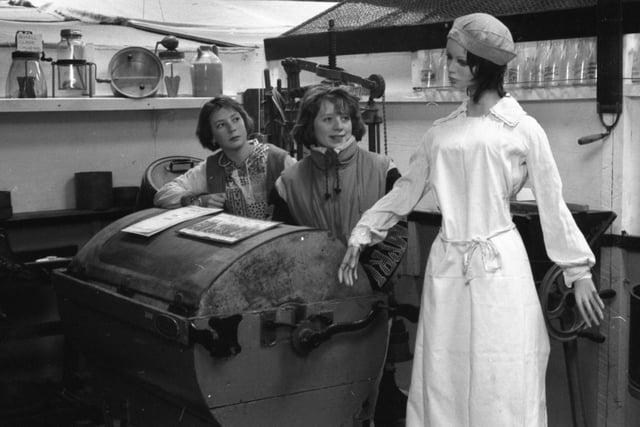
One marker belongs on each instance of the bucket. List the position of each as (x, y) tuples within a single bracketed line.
[(634, 343), (94, 190), (159, 173)]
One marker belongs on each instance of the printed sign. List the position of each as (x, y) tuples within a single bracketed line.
[(26, 41)]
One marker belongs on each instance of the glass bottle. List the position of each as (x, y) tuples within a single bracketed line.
[(592, 69), (586, 65), (515, 73), (568, 72), (553, 63), (430, 68), (540, 63), (634, 58), (444, 69), (529, 51), (206, 72), (25, 78)]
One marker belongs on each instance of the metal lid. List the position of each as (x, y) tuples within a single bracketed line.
[(171, 54), (70, 33), (283, 264), (20, 54)]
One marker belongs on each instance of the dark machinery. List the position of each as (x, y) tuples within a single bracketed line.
[(561, 315), (181, 331), (277, 107)]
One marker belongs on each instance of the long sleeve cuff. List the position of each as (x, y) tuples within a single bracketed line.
[(363, 235), (571, 274), (360, 237)]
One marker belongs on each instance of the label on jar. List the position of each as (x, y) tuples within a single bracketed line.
[(28, 42)]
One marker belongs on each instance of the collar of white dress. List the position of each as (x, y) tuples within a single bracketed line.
[(507, 110)]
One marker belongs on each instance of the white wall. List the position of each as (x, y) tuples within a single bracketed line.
[(40, 151)]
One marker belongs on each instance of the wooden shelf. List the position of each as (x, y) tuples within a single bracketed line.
[(436, 95), (99, 104)]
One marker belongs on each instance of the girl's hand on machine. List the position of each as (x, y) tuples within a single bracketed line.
[(348, 271), (588, 301)]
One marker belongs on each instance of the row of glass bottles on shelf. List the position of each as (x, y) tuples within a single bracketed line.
[(549, 63)]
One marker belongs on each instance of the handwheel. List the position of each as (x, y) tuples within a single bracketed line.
[(559, 306)]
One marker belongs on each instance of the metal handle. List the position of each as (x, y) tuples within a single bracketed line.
[(174, 164), (592, 138), (315, 330)]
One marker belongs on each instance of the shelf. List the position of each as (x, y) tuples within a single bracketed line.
[(446, 94), (99, 104), (435, 95), (61, 216)]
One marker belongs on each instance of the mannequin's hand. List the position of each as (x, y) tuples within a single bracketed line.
[(214, 200), (348, 271), (588, 301)]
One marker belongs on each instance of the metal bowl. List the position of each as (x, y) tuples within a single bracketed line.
[(135, 72)]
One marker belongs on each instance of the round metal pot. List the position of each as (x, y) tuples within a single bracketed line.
[(135, 72)]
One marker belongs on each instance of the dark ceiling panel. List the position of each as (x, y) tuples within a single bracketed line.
[(375, 26)]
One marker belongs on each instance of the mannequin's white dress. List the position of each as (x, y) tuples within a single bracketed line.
[(481, 346)]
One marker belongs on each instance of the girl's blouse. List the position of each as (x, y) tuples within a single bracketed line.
[(245, 184), (474, 165)]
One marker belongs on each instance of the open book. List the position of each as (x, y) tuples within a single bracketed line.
[(155, 224), (227, 228)]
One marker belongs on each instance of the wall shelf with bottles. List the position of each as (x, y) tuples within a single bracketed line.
[(99, 104), (444, 94), (561, 69)]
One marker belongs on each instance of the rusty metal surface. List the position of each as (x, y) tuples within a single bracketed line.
[(262, 383), (283, 264), (231, 354)]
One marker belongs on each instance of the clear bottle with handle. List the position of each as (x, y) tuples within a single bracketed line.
[(206, 72)]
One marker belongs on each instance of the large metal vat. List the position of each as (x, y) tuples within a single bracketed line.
[(182, 331)]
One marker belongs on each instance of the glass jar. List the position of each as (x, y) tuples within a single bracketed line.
[(25, 79), (176, 70), (206, 72), (70, 69)]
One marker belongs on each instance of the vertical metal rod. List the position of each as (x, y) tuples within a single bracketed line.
[(575, 388), (332, 45)]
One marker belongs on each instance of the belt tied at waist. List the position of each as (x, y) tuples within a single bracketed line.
[(491, 259)]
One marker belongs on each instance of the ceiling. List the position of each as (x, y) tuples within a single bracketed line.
[(223, 22), (370, 26)]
